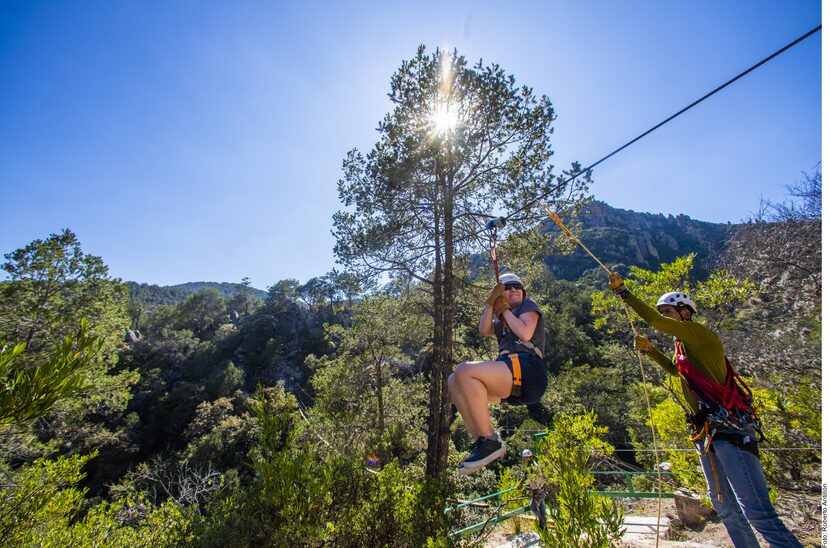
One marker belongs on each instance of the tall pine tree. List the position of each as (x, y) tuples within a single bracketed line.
[(461, 144)]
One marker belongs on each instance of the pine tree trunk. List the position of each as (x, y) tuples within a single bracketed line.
[(442, 366), (437, 382)]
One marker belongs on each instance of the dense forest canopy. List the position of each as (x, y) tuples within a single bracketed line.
[(313, 413)]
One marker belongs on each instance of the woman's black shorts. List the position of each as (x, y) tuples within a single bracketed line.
[(534, 378)]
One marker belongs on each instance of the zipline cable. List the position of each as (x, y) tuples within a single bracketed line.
[(673, 116), (565, 181), (567, 232), (650, 130), (606, 157)]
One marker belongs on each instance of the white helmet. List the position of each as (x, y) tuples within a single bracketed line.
[(674, 299), (527, 453), (510, 277)]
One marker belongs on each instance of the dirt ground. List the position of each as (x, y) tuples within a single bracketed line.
[(799, 510)]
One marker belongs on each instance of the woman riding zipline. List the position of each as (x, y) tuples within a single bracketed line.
[(518, 376), (721, 417)]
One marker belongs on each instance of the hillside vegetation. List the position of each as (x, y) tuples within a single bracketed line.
[(300, 418)]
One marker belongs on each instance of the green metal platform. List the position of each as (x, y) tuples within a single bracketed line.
[(499, 516)]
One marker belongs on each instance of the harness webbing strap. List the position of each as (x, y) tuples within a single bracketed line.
[(730, 395), (531, 346), (707, 436), (516, 391), (715, 475)]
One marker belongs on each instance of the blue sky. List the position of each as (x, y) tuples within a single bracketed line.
[(186, 141)]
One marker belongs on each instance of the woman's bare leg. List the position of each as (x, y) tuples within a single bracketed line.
[(472, 386)]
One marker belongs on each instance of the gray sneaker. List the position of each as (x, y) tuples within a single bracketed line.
[(483, 452)]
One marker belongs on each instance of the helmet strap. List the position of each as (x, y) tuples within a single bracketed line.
[(680, 308)]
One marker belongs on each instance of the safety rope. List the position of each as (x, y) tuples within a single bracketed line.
[(494, 225), (494, 254), (565, 230)]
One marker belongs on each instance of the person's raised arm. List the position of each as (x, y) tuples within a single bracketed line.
[(685, 331), (485, 325), (522, 326)]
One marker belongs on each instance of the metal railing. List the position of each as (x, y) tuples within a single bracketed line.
[(629, 483), (498, 516)]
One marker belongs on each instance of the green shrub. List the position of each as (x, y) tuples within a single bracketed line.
[(44, 509), (308, 493), (565, 456), (512, 478)]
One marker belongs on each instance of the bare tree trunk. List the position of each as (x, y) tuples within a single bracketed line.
[(447, 344), (439, 400), (436, 389)]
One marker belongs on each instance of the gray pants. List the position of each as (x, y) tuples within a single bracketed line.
[(537, 505), (745, 496)]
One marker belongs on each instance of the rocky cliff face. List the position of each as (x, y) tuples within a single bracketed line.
[(619, 236)]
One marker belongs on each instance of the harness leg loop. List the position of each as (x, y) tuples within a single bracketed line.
[(516, 391)]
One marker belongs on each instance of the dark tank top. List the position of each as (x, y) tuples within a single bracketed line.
[(510, 341)]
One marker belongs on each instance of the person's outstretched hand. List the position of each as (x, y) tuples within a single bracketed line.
[(616, 284), (642, 344)]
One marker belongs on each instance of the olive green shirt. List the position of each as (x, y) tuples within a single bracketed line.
[(703, 348)]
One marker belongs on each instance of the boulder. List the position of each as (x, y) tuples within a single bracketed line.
[(690, 509)]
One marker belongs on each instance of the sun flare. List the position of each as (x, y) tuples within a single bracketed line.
[(444, 118)]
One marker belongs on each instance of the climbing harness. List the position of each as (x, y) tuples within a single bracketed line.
[(565, 230), (532, 347), (730, 403), (527, 344), (494, 225), (516, 390), (727, 410)]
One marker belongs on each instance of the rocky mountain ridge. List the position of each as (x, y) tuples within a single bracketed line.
[(626, 237)]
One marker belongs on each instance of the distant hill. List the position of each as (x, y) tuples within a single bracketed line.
[(153, 295), (619, 236)]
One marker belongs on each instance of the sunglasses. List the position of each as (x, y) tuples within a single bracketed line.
[(512, 286)]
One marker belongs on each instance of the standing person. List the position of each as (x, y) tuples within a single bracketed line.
[(536, 483), (721, 417), (518, 376)]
